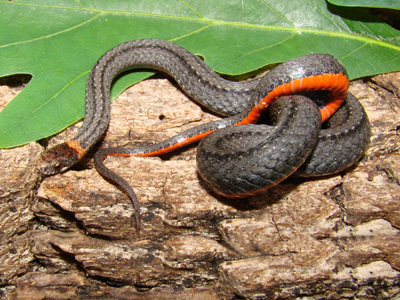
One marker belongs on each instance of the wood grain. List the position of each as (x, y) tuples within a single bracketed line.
[(332, 237)]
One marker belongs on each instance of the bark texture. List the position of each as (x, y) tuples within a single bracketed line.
[(72, 236)]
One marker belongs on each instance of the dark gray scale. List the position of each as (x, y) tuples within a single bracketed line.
[(243, 160), (342, 144)]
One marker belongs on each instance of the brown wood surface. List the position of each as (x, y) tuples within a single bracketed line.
[(71, 236)]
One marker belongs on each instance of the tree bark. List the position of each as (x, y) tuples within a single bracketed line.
[(72, 236)]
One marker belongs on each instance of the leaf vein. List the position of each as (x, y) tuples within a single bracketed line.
[(51, 34), (191, 8)]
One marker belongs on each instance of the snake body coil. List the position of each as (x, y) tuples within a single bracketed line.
[(244, 102)]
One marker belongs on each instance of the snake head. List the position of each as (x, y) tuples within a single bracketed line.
[(58, 159)]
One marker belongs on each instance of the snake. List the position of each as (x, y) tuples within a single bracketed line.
[(236, 157)]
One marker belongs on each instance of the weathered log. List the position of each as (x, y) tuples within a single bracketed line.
[(332, 237)]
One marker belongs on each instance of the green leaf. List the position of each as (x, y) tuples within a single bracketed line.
[(58, 42), (392, 4)]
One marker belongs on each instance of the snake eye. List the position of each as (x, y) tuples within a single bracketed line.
[(57, 166)]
